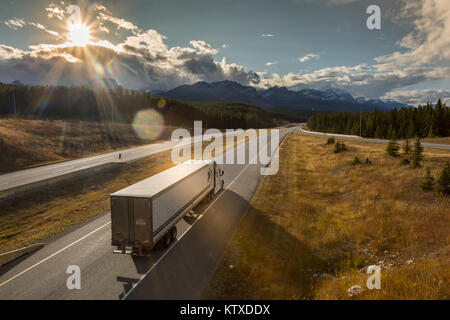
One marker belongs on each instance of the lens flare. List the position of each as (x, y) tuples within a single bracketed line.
[(148, 124), (162, 103)]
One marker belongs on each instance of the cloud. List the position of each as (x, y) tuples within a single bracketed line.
[(7, 53), (361, 80), (416, 97), (55, 11), (43, 28), (225, 45), (119, 22), (105, 15), (102, 28), (267, 35), (142, 59), (309, 56), (429, 41), (15, 23)]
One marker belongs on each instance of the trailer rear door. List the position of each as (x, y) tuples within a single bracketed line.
[(131, 221)]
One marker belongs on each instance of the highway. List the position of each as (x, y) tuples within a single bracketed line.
[(34, 177), (357, 138), (180, 272)]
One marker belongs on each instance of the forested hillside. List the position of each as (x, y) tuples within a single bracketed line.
[(122, 105), (424, 121)]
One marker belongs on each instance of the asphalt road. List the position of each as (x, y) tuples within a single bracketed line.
[(357, 138), (23, 178), (181, 271)]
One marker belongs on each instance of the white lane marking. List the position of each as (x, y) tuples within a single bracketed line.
[(171, 247), (51, 256), (84, 237)]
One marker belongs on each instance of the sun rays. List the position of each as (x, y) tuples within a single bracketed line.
[(79, 34)]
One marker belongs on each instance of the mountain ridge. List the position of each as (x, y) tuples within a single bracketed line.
[(278, 97)]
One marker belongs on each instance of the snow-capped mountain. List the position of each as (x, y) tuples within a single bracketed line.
[(278, 97)]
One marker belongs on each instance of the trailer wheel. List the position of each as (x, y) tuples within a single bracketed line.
[(173, 233), (167, 239)]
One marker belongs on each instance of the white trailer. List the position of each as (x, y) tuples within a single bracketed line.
[(146, 213)]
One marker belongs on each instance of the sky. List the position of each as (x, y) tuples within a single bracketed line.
[(158, 45)]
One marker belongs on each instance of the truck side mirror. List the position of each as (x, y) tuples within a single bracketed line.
[(222, 173)]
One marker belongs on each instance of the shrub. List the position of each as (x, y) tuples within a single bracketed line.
[(417, 155), (356, 161), (339, 147), (428, 181), (392, 148), (330, 140), (443, 184)]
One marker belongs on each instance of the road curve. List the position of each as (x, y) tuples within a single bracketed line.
[(357, 138)]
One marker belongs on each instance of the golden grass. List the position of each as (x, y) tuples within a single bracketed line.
[(30, 143), (314, 225)]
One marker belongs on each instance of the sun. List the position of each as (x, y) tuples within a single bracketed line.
[(79, 34)]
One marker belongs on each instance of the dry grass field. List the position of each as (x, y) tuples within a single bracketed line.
[(311, 229), (29, 143)]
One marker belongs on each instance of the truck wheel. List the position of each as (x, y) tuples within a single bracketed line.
[(173, 234), (223, 184), (170, 237), (167, 239)]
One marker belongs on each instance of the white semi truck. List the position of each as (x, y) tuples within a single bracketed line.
[(145, 214)]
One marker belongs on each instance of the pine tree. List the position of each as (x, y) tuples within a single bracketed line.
[(443, 184), (430, 133), (406, 148), (417, 155), (337, 147), (428, 181), (392, 148)]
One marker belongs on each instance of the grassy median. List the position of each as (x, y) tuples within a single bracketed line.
[(311, 229)]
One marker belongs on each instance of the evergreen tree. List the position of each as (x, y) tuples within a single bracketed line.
[(406, 148), (417, 155), (428, 181), (430, 133), (392, 148), (339, 147), (443, 184)]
